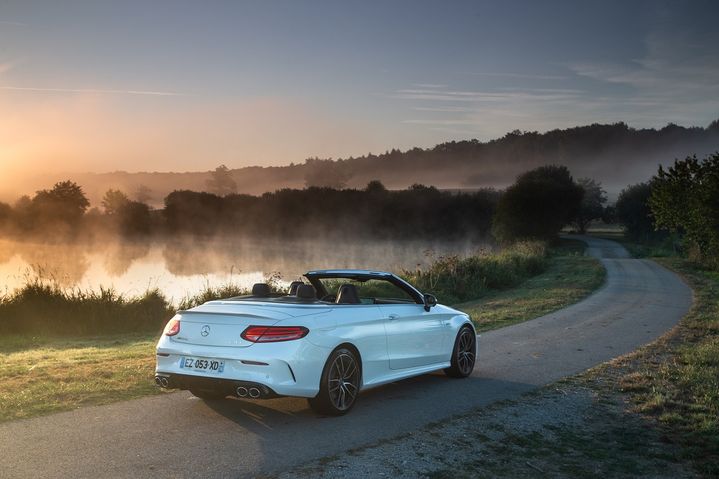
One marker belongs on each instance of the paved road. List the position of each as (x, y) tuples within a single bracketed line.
[(176, 435)]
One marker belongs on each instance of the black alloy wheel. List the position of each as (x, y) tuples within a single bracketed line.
[(464, 354), (340, 384)]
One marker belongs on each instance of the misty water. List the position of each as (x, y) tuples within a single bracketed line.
[(184, 267)]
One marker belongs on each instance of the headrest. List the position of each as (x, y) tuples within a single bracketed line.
[(347, 294), (306, 291), (261, 289), (293, 288)]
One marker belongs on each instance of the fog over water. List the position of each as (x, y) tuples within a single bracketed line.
[(184, 267)]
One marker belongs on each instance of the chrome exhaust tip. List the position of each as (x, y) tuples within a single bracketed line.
[(164, 382), (254, 393), (241, 391), (157, 381)]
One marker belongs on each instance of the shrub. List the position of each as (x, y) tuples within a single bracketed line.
[(453, 279), (685, 200), (42, 307), (537, 205)]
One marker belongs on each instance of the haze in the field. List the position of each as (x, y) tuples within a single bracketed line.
[(186, 86), (183, 268)]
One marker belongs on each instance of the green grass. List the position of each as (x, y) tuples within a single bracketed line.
[(453, 279), (44, 375), (677, 380), (653, 249), (568, 278), (42, 307)]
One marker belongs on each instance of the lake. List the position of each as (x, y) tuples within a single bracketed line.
[(185, 266)]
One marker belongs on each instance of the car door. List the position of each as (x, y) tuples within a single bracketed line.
[(415, 337)]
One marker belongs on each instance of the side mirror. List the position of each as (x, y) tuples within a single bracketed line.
[(429, 301)]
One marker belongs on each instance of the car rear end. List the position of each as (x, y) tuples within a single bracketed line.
[(244, 350)]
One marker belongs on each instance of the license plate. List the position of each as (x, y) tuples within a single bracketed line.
[(212, 366)]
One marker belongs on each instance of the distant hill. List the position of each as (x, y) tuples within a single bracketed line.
[(614, 154)]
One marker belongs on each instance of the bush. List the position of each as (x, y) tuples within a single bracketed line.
[(685, 200), (633, 213), (42, 307), (454, 280), (537, 205)]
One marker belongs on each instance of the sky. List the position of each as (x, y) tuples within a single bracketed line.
[(188, 85)]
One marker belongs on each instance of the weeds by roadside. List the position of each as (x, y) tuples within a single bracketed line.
[(676, 381)]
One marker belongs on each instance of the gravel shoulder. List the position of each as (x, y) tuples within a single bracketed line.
[(566, 430)]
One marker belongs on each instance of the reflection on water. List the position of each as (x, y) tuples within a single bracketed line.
[(180, 267)]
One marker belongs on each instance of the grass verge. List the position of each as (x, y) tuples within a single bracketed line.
[(568, 278), (41, 376), (676, 381)]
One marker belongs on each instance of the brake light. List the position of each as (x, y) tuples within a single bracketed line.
[(273, 334), (172, 328)]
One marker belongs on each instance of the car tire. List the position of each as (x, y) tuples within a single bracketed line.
[(464, 354), (208, 394), (339, 384)]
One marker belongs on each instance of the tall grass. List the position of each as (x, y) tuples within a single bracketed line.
[(454, 280), (41, 307), (44, 308)]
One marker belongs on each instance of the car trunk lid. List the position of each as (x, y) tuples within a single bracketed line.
[(220, 323)]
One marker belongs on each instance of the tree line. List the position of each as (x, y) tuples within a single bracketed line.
[(538, 205), (613, 153), (678, 204), (679, 207)]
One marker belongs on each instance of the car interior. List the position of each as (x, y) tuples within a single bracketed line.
[(349, 291)]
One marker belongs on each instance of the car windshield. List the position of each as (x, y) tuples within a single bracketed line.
[(370, 291)]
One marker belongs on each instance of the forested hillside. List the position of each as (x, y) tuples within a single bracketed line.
[(613, 154)]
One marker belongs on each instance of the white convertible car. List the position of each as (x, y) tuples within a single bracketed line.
[(327, 339)]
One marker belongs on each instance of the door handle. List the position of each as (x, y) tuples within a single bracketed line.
[(393, 316)]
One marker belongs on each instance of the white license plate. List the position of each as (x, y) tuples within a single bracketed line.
[(212, 366)]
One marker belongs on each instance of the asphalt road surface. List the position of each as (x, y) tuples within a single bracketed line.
[(176, 435)]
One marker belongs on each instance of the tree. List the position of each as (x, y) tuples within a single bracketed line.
[(5, 215), (537, 205), (221, 182), (65, 203), (325, 174), (143, 194), (632, 211), (114, 201), (134, 218), (23, 214), (592, 206), (685, 200), (375, 187)]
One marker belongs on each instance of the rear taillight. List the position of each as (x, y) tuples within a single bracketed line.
[(172, 328), (273, 334)]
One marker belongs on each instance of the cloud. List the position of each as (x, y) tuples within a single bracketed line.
[(526, 76), (679, 67), (429, 85), (441, 122), (14, 24), (444, 109), (496, 95), (89, 90)]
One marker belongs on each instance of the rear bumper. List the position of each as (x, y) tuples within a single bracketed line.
[(291, 368), (230, 387)]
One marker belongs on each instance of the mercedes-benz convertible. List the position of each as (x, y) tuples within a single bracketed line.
[(331, 335)]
